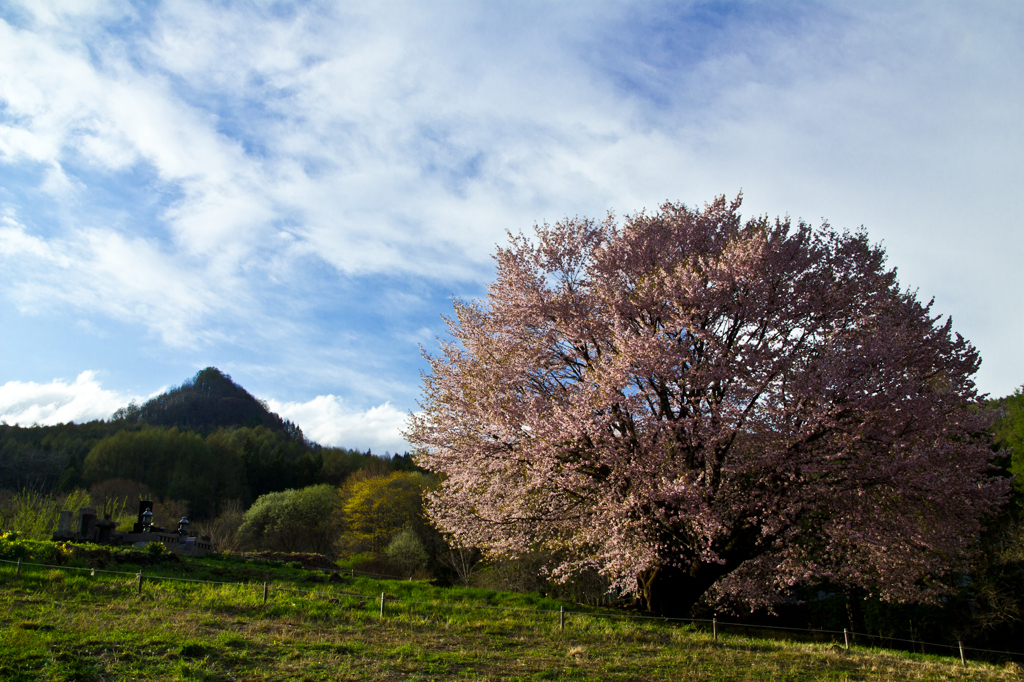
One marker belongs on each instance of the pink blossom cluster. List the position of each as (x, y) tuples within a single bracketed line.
[(686, 401)]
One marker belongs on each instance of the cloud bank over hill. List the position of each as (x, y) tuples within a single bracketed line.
[(58, 401), (327, 420)]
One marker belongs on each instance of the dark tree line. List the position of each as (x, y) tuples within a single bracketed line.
[(45, 458), (231, 464)]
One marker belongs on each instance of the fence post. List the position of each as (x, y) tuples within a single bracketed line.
[(962, 659), (714, 627), (18, 574), (561, 617), (140, 581), (382, 605), (264, 593), (846, 638)]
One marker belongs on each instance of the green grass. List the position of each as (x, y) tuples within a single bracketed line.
[(64, 625)]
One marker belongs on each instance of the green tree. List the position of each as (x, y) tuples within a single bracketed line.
[(340, 463), (293, 520), (1008, 429), (268, 461)]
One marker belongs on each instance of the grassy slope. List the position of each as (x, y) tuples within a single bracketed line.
[(62, 625)]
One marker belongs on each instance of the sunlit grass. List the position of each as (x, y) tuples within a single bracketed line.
[(60, 625)]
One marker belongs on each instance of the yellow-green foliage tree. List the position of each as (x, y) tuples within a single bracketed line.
[(34, 515), (406, 551), (376, 508)]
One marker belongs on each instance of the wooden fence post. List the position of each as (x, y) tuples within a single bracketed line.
[(382, 605), (561, 617), (264, 593), (963, 660), (18, 574), (714, 627), (846, 638), (140, 581)]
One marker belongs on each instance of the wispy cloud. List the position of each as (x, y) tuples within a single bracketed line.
[(304, 184), (114, 274)]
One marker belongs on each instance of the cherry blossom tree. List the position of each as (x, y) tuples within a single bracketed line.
[(686, 402)]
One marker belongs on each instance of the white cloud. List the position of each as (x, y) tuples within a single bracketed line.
[(327, 420), (127, 278), (405, 138), (58, 401)]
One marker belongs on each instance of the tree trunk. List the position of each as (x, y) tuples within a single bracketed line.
[(672, 592)]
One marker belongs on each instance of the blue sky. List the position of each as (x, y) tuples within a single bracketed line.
[(294, 192)]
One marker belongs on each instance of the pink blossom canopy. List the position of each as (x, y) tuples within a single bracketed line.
[(684, 401)]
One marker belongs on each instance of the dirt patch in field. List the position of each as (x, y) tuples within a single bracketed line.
[(308, 561)]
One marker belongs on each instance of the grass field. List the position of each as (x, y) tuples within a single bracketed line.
[(59, 624)]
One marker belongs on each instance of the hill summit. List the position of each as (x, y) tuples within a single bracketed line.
[(208, 401)]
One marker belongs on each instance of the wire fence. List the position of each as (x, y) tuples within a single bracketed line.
[(717, 627), (371, 574)]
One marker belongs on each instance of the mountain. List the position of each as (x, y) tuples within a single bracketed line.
[(208, 401)]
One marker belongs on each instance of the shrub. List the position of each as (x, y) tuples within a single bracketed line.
[(157, 549), (406, 551), (13, 546)]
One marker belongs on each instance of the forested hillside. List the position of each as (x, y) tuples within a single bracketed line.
[(208, 401), (206, 443)]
